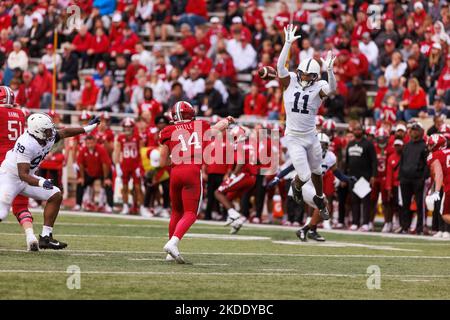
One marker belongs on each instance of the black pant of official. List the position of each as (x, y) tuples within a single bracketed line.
[(408, 189), (89, 181), (356, 209), (260, 193), (152, 190), (342, 193), (214, 181)]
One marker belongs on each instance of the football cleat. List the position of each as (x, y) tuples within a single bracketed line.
[(438, 234), (314, 235), (232, 216), (322, 206), (48, 242), (301, 234), (237, 225), (387, 228), (172, 250), (296, 193), (125, 210), (446, 235), (32, 244)]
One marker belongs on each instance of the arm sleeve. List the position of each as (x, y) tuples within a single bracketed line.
[(283, 72), (285, 172), (341, 176), (331, 81)]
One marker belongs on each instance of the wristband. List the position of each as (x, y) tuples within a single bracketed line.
[(41, 183), (90, 127)]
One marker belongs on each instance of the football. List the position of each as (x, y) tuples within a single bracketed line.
[(267, 73)]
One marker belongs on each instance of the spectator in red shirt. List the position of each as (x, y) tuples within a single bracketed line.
[(200, 60), (131, 71), (224, 67), (359, 59), (81, 43), (443, 83), (301, 16), (283, 17), (195, 13), (381, 92), (88, 95), (126, 43), (32, 96), (43, 84), (188, 41), (419, 15), (253, 14), (361, 25), (6, 44), (345, 67), (255, 103), (5, 18), (117, 26), (414, 100), (94, 163), (98, 48), (150, 105)]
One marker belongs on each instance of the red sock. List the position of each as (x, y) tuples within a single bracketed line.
[(184, 224), (174, 219)]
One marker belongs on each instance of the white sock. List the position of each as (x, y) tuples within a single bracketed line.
[(233, 213), (174, 240), (46, 231), (29, 233)]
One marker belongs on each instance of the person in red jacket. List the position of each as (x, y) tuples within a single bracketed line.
[(345, 67), (392, 184), (283, 17), (124, 43), (443, 83), (195, 13), (32, 95), (88, 95), (150, 105), (414, 100), (361, 24), (82, 43), (381, 92), (225, 67), (132, 70), (117, 26), (255, 103), (94, 164), (203, 63), (359, 59), (188, 41), (43, 83), (98, 48)]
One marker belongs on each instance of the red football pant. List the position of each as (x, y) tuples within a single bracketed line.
[(186, 191)]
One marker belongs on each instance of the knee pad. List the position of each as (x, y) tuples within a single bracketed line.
[(24, 216)]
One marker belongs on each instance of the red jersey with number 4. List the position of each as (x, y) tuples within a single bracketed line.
[(185, 142), (443, 156), (12, 125), (129, 147)]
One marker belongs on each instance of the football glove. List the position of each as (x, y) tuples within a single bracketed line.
[(329, 61), (272, 183), (289, 34)]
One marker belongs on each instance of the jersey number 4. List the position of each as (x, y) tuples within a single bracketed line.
[(15, 129), (305, 103)]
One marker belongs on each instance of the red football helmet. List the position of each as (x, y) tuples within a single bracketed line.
[(85, 116), (105, 116), (7, 96), (127, 123), (182, 111), (329, 125), (319, 120), (382, 136), (371, 131), (445, 130), (436, 142)]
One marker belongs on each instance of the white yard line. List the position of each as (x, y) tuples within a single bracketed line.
[(334, 244), (262, 274), (245, 254), (250, 226)]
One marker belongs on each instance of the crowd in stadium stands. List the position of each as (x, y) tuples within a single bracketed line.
[(142, 56)]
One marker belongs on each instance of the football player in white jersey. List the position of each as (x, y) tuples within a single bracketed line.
[(328, 162), (303, 95), (17, 171)]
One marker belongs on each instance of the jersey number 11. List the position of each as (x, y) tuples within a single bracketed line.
[(305, 103)]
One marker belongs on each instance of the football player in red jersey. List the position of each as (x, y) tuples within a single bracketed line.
[(183, 142), (392, 184), (381, 142), (104, 134), (128, 164), (439, 162), (12, 125), (242, 178)]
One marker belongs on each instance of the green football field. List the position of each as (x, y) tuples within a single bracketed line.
[(122, 258)]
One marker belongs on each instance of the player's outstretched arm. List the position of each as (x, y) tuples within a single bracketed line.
[(328, 62), (224, 123), (289, 38), (71, 132)]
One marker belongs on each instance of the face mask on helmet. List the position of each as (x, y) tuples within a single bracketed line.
[(306, 79), (382, 141), (324, 148)]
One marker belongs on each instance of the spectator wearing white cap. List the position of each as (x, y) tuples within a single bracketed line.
[(238, 27)]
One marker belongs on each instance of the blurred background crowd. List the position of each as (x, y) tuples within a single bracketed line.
[(136, 58)]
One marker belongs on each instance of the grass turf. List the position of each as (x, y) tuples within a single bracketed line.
[(123, 259)]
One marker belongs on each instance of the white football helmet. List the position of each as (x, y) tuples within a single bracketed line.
[(41, 126), (324, 142), (309, 68)]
